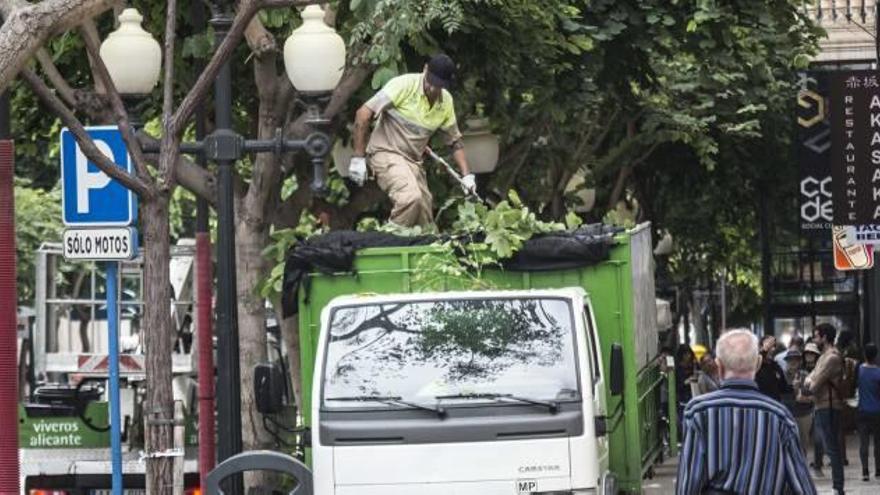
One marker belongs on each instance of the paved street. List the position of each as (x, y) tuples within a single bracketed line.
[(664, 480)]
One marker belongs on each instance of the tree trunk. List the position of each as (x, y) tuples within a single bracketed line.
[(158, 336), (251, 239)]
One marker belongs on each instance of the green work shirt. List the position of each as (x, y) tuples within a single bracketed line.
[(406, 120)]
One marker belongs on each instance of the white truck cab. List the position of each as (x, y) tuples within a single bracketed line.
[(465, 393)]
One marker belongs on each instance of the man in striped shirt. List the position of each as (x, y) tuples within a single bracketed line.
[(738, 440)]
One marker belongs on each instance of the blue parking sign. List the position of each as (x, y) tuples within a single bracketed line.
[(89, 197)]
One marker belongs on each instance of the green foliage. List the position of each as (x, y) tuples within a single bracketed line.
[(506, 226), (679, 101), (37, 220)]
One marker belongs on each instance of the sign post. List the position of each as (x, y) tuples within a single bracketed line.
[(112, 268), (99, 212)]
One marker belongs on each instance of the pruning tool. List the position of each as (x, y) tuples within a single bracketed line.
[(455, 175)]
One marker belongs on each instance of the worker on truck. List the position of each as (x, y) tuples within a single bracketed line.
[(410, 109)]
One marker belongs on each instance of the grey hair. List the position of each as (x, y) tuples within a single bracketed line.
[(737, 350)]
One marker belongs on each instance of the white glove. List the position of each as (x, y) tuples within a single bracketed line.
[(469, 184), (357, 170)]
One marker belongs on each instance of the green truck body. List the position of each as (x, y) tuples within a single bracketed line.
[(621, 290)]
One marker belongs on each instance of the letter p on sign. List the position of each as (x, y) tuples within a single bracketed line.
[(90, 198), (87, 180)]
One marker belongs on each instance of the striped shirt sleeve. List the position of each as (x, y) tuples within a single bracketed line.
[(691, 466), (797, 476)]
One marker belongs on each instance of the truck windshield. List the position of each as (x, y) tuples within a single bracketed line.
[(464, 351)]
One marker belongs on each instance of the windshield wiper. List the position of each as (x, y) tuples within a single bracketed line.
[(551, 406), (392, 400)]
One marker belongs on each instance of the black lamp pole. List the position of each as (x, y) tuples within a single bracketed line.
[(228, 372)]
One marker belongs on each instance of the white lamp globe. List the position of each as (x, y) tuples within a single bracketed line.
[(314, 54), (132, 56), (480, 146)]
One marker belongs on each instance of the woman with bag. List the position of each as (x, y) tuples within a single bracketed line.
[(868, 419)]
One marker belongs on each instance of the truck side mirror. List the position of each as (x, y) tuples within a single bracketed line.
[(616, 378), (268, 388)]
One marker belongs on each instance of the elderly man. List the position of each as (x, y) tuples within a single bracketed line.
[(738, 440)]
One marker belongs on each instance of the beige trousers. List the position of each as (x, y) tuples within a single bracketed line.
[(804, 424), (405, 183)]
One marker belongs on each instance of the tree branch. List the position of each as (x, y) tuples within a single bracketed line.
[(55, 78), (259, 39), (196, 179), (90, 35), (88, 147), (119, 112), (171, 136), (247, 10), (28, 26), (351, 81)]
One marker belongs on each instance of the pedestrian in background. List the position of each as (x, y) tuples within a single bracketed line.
[(707, 378), (798, 400), (717, 457), (824, 383), (770, 377), (868, 419), (847, 387), (796, 343), (811, 357), (684, 376)]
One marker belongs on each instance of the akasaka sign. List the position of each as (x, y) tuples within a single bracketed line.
[(855, 147)]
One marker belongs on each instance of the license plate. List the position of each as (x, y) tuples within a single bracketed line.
[(524, 487), (125, 491)]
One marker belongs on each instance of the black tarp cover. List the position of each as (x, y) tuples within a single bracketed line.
[(335, 252)]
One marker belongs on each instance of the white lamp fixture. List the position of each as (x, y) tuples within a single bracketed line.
[(132, 56), (480, 146), (314, 54), (664, 246), (578, 186)]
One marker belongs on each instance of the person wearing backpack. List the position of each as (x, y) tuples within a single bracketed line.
[(824, 384), (847, 388), (868, 419)]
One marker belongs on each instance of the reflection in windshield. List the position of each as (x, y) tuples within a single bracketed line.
[(421, 350)]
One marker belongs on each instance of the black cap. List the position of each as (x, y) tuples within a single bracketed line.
[(441, 71)]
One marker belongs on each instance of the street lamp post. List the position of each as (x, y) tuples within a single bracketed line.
[(314, 57)]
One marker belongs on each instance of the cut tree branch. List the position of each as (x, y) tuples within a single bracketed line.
[(88, 147), (119, 112), (259, 39)]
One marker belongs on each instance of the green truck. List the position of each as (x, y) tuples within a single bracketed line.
[(541, 382)]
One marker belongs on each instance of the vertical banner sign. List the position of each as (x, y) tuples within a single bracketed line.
[(855, 149), (814, 154)]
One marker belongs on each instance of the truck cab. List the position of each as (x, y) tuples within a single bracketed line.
[(479, 392), (541, 376)]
